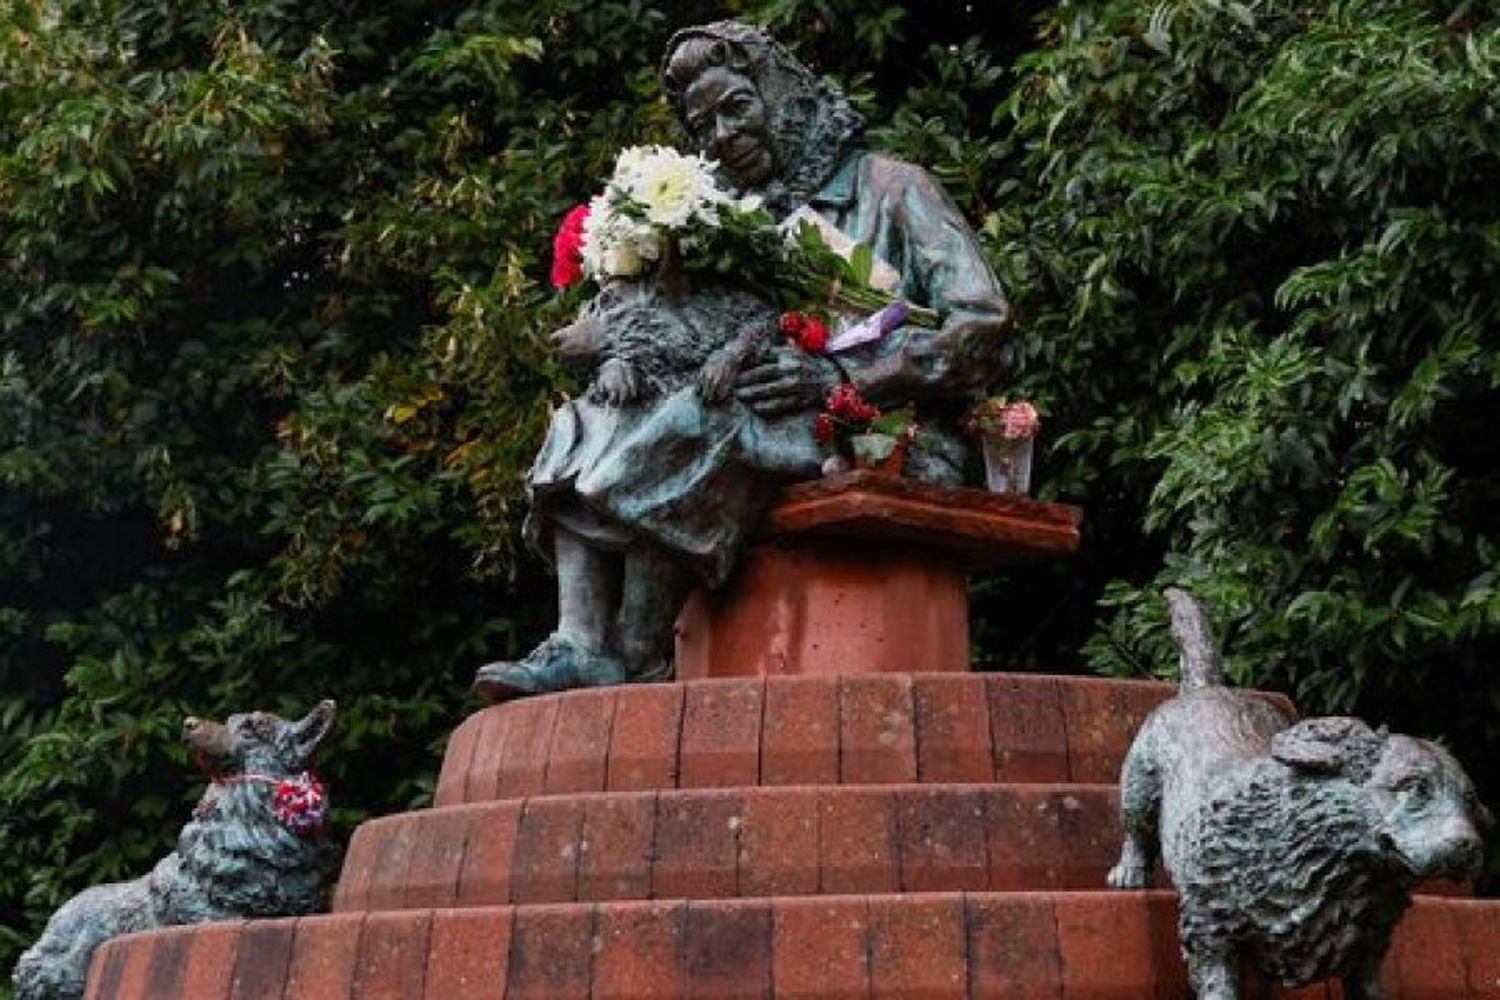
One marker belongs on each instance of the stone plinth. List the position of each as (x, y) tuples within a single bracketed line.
[(864, 573), (900, 835), (1027, 946)]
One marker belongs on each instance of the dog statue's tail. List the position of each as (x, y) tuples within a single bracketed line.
[(1201, 664)]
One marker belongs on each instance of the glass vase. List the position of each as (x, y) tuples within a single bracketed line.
[(1007, 464)]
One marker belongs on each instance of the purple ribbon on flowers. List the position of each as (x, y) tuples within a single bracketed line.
[(870, 329)]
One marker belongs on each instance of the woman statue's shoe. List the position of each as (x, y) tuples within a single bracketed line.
[(558, 664), (653, 671)]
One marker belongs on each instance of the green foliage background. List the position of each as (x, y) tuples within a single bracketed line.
[(271, 357), (1259, 249)]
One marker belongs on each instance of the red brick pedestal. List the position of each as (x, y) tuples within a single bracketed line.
[(903, 835), (864, 573), (912, 835)]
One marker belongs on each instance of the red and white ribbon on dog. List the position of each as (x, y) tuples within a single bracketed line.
[(299, 801)]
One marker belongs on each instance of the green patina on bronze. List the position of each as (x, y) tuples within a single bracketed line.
[(244, 852), (648, 484), (1294, 846)]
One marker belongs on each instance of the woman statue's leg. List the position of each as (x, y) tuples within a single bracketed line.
[(578, 653), (588, 590), (654, 589)]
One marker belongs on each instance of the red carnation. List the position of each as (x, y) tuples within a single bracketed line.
[(567, 248), (845, 402), (806, 330), (814, 336)]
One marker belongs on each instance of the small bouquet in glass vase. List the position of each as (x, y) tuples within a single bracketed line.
[(859, 435), (1007, 431)]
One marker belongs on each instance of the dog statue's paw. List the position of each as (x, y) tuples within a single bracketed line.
[(1124, 876)]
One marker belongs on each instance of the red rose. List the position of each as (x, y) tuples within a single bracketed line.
[(567, 248), (791, 324), (814, 337)]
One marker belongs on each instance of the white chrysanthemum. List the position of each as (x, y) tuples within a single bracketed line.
[(654, 191), (629, 163), (671, 189), (596, 235), (614, 244), (672, 192)]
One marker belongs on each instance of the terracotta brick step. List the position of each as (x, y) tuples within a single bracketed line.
[(1027, 946), (856, 729), (718, 843)]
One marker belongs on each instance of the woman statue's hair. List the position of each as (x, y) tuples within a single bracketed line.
[(813, 126)]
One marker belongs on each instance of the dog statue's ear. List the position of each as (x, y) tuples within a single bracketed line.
[(1333, 745), (309, 731)]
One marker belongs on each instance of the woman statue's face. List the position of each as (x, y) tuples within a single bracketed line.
[(725, 116)]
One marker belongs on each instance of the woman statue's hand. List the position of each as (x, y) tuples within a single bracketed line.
[(794, 381)]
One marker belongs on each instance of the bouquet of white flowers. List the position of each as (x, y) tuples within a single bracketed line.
[(663, 209), (657, 197)]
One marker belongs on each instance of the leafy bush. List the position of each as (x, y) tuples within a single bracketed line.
[(1256, 248)]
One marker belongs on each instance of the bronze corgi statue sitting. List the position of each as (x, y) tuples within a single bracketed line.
[(252, 849)]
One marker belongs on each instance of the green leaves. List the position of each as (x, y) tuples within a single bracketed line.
[(232, 245), (1292, 381), (474, 55)]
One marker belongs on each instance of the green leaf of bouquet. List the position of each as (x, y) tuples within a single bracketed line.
[(894, 422), (810, 239), (862, 263)]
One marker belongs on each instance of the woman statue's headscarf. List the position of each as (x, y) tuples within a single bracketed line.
[(813, 127)]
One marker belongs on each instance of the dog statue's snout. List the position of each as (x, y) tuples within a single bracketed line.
[(191, 725), (578, 341), (1467, 851), (1448, 845)]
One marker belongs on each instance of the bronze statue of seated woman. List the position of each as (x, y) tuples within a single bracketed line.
[(639, 501)]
